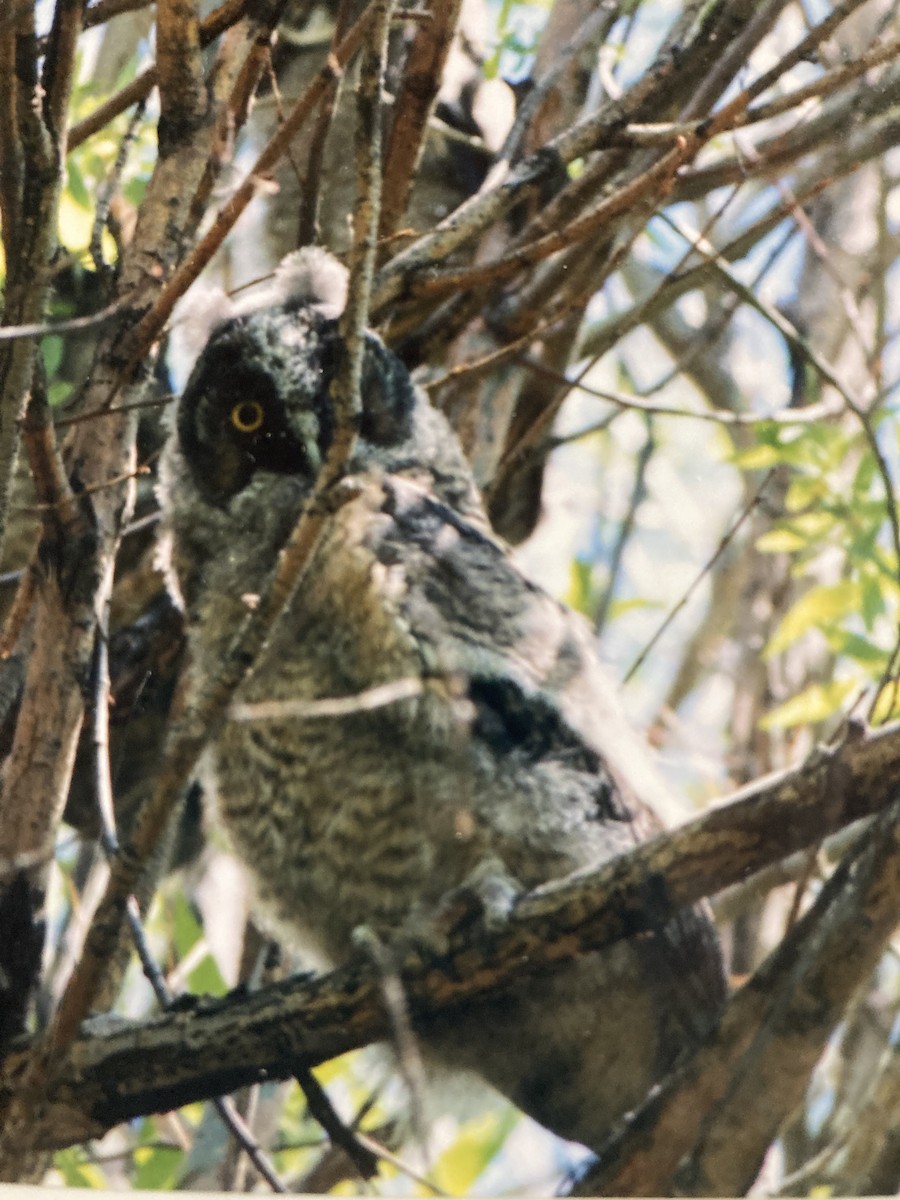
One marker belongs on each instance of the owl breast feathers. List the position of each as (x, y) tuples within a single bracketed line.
[(489, 732)]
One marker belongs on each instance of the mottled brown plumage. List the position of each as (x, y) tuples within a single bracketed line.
[(505, 744)]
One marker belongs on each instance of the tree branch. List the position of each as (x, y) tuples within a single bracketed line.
[(726, 1105), (208, 1047)]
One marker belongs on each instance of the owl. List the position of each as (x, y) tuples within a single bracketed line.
[(475, 723)]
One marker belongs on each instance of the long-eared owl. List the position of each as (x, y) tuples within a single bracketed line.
[(485, 729)]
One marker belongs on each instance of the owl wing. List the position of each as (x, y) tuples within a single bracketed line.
[(542, 708), (529, 665)]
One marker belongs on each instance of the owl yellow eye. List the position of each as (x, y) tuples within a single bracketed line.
[(248, 416)]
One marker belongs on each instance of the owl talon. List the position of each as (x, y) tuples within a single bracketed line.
[(488, 895), (495, 890)]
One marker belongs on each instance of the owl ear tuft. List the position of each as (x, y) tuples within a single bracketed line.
[(205, 307), (312, 276)]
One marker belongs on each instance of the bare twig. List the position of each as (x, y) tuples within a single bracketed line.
[(626, 527), (312, 179), (328, 706), (40, 329), (339, 1133), (724, 542), (105, 10), (403, 1037), (109, 840)]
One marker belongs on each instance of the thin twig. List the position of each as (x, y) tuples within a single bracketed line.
[(626, 527), (418, 90), (105, 10), (809, 414), (108, 186), (329, 706), (403, 1037), (312, 179), (339, 1133), (724, 542), (36, 329)]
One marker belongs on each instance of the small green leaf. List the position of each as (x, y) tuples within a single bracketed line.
[(78, 189), (205, 978), (887, 705), (580, 594), (780, 541), (758, 458), (818, 608), (51, 352), (76, 1171), (872, 596), (815, 703), (632, 604), (158, 1167), (805, 490), (854, 645), (813, 525), (457, 1169)]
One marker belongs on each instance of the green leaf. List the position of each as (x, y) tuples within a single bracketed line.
[(580, 593), (814, 525), (819, 608), (780, 541), (887, 705), (205, 978), (457, 1169), (814, 703), (632, 604), (855, 646), (758, 458), (78, 189), (805, 490), (76, 1171), (51, 352), (872, 596), (158, 1167)]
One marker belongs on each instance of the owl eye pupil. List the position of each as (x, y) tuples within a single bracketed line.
[(247, 416)]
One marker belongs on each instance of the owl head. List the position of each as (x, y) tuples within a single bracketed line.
[(259, 395)]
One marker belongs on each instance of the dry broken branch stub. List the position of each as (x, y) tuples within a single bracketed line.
[(213, 1046)]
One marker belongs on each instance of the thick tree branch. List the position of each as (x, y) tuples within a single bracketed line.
[(214, 1046), (415, 100), (726, 1105), (182, 93)]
